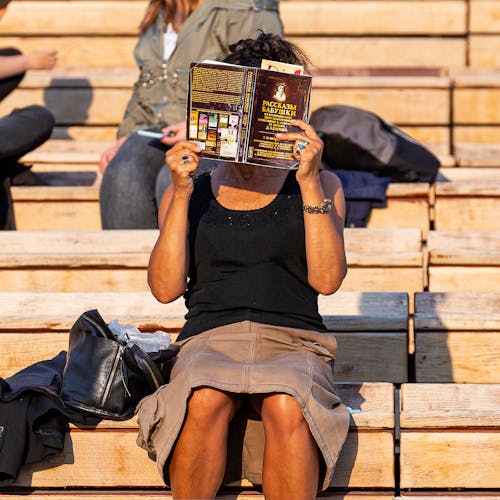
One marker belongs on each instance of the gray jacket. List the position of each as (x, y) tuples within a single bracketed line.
[(159, 96)]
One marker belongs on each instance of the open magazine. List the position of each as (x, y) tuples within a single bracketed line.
[(235, 111)]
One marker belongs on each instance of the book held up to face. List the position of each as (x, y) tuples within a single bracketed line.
[(234, 112)]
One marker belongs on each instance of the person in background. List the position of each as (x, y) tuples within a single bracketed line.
[(251, 394), (23, 129), (173, 33)]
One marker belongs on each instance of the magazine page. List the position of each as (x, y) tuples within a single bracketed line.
[(216, 107)]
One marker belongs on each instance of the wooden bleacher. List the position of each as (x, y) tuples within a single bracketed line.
[(379, 259), (467, 199), (457, 337), (450, 436), (417, 317), (463, 261), (371, 328), (71, 201)]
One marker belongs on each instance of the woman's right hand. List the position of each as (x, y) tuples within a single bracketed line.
[(183, 161)]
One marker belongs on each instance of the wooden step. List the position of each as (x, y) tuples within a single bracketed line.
[(371, 328), (457, 337), (450, 436), (164, 494), (97, 97), (411, 33), (467, 199), (67, 204), (464, 260), (379, 260), (113, 443)]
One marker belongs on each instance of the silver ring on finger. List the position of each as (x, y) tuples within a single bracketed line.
[(301, 146), (185, 159)]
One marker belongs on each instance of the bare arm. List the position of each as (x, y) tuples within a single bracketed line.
[(325, 252), (169, 261), (15, 65)]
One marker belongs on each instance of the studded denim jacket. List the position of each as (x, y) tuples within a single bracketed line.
[(159, 95)]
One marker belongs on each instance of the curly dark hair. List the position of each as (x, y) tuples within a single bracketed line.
[(251, 51)]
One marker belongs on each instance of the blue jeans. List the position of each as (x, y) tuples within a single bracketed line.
[(133, 184)]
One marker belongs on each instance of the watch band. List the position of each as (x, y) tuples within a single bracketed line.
[(323, 208)]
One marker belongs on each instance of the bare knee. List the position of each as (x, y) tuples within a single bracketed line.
[(206, 404), (282, 414)]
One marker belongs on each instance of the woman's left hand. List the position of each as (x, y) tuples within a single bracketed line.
[(307, 149)]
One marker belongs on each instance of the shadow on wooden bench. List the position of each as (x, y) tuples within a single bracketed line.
[(457, 337), (379, 260), (71, 201), (128, 466), (371, 328)]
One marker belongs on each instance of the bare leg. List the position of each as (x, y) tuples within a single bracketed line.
[(199, 457), (291, 460)]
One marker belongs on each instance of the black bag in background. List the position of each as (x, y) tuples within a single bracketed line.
[(356, 139), (105, 377)]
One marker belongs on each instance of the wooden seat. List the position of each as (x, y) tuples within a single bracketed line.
[(379, 260), (467, 199), (419, 33), (113, 444), (464, 260), (225, 494), (72, 200), (457, 337), (476, 94), (88, 102), (450, 436), (370, 328), (387, 260)]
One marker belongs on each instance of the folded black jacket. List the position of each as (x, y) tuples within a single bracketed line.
[(33, 418)]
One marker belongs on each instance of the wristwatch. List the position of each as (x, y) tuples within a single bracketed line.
[(323, 208)]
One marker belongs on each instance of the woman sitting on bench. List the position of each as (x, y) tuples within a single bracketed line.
[(251, 394)]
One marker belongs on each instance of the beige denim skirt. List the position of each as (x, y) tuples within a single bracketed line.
[(249, 358)]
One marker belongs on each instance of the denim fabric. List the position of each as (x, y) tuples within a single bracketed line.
[(134, 182), (22, 131), (129, 196)]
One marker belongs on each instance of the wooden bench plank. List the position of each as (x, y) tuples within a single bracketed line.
[(477, 106), (450, 436), (165, 495), (370, 328), (467, 199), (104, 107), (484, 50), (389, 17), (449, 406), (93, 51), (358, 466), (464, 260), (69, 206), (379, 260), (457, 337), (484, 16), (384, 51)]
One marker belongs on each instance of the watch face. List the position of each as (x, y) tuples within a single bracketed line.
[(327, 205)]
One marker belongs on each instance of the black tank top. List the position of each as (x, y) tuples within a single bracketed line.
[(248, 264)]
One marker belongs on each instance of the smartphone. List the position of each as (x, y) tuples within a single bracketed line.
[(149, 133)]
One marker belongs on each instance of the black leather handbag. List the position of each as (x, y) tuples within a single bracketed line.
[(104, 376)]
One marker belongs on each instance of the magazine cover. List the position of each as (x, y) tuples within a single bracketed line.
[(235, 111)]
